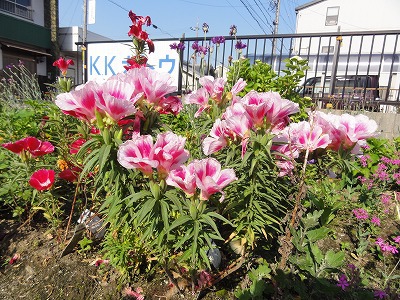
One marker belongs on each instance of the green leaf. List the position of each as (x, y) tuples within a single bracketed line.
[(317, 234), (146, 209), (135, 197), (218, 216), (186, 237), (164, 213), (317, 253), (104, 156), (180, 221), (334, 260)]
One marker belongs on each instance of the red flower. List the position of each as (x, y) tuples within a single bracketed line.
[(94, 130), (150, 44), (31, 144), (70, 175), (37, 147), (63, 64), (42, 179), (76, 145), (15, 147)]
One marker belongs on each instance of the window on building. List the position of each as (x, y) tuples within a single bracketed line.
[(21, 8), (23, 2), (332, 16)]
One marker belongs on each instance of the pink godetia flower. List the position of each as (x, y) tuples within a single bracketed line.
[(235, 126), (30, 145), (62, 64), (154, 85), (217, 139), (201, 98), (346, 131), (205, 174), (169, 105), (281, 109), (183, 178), (42, 179), (80, 103), (116, 100), (308, 137), (204, 279), (256, 105), (169, 152), (214, 87), (99, 262), (14, 259), (16, 147), (268, 110), (240, 128), (138, 154), (238, 87), (210, 178), (285, 152)]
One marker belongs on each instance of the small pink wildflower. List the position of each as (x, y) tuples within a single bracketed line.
[(136, 294), (364, 160), (385, 160), (360, 213), (342, 282), (380, 294), (375, 220), (14, 258), (99, 262), (386, 248), (385, 199), (397, 239)]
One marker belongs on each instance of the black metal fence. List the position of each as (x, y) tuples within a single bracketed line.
[(352, 69)]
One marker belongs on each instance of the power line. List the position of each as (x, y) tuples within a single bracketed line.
[(268, 24), (241, 15), (211, 5), (117, 4), (251, 14)]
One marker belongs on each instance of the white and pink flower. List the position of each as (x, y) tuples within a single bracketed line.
[(169, 152), (138, 154)]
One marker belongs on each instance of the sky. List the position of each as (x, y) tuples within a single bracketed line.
[(175, 18)]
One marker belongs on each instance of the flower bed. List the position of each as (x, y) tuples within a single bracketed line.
[(232, 178)]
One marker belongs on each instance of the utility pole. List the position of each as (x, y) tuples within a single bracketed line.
[(84, 38), (277, 4)]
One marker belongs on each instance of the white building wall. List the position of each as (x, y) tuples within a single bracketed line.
[(354, 15), (38, 12)]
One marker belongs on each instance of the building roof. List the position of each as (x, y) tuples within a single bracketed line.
[(311, 3)]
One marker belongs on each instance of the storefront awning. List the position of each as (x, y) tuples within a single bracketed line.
[(41, 52)]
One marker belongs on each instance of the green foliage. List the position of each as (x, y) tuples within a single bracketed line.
[(258, 288), (309, 257), (85, 245), (17, 84), (258, 201)]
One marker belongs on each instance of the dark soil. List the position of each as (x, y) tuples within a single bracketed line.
[(41, 273)]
